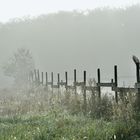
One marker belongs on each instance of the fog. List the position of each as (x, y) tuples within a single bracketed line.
[(63, 41)]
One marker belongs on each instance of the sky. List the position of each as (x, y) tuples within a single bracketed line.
[(10, 9)]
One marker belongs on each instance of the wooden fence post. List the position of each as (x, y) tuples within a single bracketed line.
[(75, 80), (47, 81), (58, 80), (138, 81), (138, 72), (35, 73), (42, 75), (112, 83), (52, 81), (66, 76), (137, 62), (116, 82), (38, 76), (99, 81), (84, 92)]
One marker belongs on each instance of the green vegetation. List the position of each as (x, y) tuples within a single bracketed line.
[(55, 125), (58, 125), (59, 116), (32, 113)]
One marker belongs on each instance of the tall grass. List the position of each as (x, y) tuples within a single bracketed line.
[(35, 114)]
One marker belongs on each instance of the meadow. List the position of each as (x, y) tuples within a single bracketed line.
[(37, 114)]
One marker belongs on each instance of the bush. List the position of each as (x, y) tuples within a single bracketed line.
[(101, 108)]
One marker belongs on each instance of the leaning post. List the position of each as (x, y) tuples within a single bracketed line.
[(137, 63)]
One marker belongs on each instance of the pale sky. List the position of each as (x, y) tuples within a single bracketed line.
[(19, 8)]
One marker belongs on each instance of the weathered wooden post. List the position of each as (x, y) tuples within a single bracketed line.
[(47, 81), (66, 84), (38, 76), (137, 62), (99, 81), (52, 81), (116, 82), (112, 84), (42, 75), (58, 84), (35, 75), (58, 80), (84, 92), (75, 80)]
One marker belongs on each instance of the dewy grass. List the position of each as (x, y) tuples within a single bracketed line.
[(62, 126), (46, 116), (58, 125)]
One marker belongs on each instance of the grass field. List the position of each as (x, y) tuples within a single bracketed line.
[(37, 115)]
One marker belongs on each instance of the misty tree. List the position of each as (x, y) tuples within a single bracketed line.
[(19, 66)]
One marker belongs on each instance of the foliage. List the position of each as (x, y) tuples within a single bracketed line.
[(60, 125), (101, 108), (42, 115), (19, 66)]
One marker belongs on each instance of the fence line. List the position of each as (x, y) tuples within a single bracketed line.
[(113, 84), (36, 79)]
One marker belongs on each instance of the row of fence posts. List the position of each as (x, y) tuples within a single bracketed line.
[(34, 77)]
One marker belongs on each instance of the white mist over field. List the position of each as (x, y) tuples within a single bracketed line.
[(69, 69), (62, 37)]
